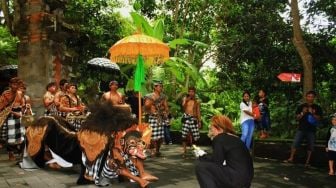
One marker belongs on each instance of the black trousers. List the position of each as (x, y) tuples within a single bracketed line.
[(212, 175)]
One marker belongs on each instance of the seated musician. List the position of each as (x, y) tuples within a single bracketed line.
[(70, 103)]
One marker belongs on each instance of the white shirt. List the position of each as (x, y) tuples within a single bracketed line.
[(332, 139), (243, 107)]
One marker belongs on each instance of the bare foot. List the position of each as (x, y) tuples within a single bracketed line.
[(143, 183), (54, 166), (11, 156), (149, 177)]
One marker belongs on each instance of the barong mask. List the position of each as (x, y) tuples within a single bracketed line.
[(133, 145)]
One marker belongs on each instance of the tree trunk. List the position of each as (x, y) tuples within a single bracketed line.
[(5, 11), (307, 60)]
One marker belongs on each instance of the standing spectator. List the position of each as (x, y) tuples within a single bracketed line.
[(246, 120), (113, 95), (331, 145), (256, 115), (49, 99), (265, 119), (230, 164), (191, 119), (12, 132), (156, 107), (308, 114)]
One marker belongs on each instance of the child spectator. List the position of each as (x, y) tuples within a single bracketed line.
[(167, 137), (257, 116), (265, 120), (331, 145)]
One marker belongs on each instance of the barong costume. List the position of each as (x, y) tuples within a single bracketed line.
[(93, 146)]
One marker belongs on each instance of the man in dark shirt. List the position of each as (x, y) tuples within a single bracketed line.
[(308, 115)]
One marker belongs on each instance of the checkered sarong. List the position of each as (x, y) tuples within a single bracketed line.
[(92, 170), (12, 132), (190, 125), (95, 172), (76, 122), (62, 114), (107, 172), (52, 111), (130, 165), (157, 127)]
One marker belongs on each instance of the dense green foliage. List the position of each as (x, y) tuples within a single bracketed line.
[(250, 42), (8, 50), (99, 27)]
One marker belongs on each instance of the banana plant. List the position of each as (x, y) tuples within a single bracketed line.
[(176, 67)]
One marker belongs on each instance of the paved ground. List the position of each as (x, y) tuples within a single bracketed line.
[(173, 171)]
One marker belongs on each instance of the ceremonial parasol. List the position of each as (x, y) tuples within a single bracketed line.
[(139, 49)]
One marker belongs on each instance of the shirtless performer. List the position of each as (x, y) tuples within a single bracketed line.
[(113, 95), (156, 106), (12, 133), (59, 94), (191, 119)]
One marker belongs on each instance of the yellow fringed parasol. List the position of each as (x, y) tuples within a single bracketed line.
[(137, 49), (129, 48)]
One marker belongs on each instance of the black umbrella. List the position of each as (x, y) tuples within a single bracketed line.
[(104, 66), (6, 73), (104, 63)]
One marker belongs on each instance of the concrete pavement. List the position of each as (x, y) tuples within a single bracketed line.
[(173, 172)]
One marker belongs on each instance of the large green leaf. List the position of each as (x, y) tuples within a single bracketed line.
[(159, 29), (180, 68), (175, 42), (142, 24), (200, 44)]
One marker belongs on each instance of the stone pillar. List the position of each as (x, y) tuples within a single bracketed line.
[(36, 74), (34, 51)]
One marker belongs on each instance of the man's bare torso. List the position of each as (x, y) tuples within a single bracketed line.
[(114, 97), (190, 107)]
